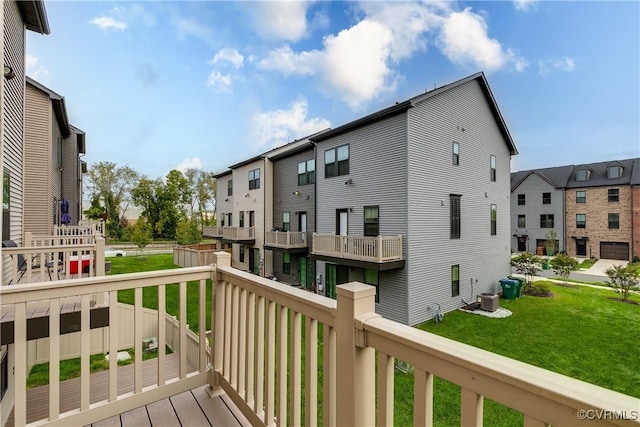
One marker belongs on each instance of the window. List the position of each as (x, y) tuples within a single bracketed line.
[(454, 202), (455, 280), (522, 221), (6, 205), (581, 220), (614, 195), (241, 219), (371, 221), (229, 222), (581, 196), (494, 220), (230, 187), (222, 216), (521, 199), (254, 179), (614, 220), (456, 153), (241, 253), (582, 174), (493, 167), (286, 263), (546, 221), (336, 161), (546, 198), (286, 221), (252, 219), (614, 172), (307, 172), (371, 278)]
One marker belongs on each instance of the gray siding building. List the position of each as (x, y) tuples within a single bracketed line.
[(430, 174)]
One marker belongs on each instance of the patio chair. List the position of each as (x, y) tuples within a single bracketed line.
[(22, 262)]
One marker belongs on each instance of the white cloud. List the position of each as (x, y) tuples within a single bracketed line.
[(274, 128), (286, 61), (219, 82), (524, 5), (281, 20), (565, 64), (190, 27), (108, 23), (465, 41), (228, 55), (34, 70), (194, 163)]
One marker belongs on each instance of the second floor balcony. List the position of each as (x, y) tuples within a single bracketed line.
[(293, 241), (214, 231), (379, 253), (239, 234)]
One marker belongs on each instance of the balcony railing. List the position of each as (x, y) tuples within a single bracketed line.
[(212, 231), (286, 239), (259, 329), (370, 249), (84, 229), (238, 234)]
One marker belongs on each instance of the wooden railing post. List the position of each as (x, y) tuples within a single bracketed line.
[(355, 398), (379, 248), (220, 259), (102, 298)]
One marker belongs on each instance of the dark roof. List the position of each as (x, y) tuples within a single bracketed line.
[(246, 162), (402, 107), (555, 176), (58, 104), (307, 146), (34, 16), (221, 174), (565, 177), (598, 177)]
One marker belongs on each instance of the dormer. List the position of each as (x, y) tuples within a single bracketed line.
[(615, 170), (583, 173)]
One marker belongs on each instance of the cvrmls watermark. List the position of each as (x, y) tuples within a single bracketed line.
[(607, 414)]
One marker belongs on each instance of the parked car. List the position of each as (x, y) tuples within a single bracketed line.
[(109, 252)]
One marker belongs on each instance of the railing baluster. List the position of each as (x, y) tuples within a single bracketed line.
[(202, 308), (242, 344), (471, 408), (20, 338), (329, 376), (282, 365), (85, 363), (54, 358), (258, 407), (235, 296), (137, 345), (311, 372), (423, 398), (227, 330), (183, 330), (385, 389), (251, 353), (113, 345), (162, 334), (296, 369), (271, 364)]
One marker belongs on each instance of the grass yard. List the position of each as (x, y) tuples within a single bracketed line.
[(134, 264)]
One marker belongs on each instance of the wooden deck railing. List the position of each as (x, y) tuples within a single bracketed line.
[(88, 229), (259, 330), (19, 300), (238, 233), (195, 255), (286, 239), (212, 231), (372, 249)]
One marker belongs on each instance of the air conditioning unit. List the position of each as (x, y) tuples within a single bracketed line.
[(489, 302)]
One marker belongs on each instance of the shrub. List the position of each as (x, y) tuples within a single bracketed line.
[(563, 265), (623, 279), (526, 264), (538, 289), (636, 259)]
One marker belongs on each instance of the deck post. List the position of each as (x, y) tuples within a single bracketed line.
[(355, 398), (220, 259)]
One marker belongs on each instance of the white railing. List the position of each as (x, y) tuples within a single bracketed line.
[(60, 239), (195, 255), (19, 300), (47, 259), (372, 249), (212, 231), (238, 233), (286, 239), (83, 229)]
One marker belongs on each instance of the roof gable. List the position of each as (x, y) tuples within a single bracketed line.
[(34, 16), (58, 105)]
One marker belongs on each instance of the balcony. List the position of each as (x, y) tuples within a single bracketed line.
[(213, 231), (256, 366), (379, 253), (292, 241), (239, 234)]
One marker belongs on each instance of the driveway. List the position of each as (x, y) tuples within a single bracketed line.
[(599, 268)]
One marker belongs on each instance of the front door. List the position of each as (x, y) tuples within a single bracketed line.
[(522, 244), (581, 247), (335, 275), (342, 222), (302, 225)]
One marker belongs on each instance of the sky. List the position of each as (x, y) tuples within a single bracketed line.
[(162, 85)]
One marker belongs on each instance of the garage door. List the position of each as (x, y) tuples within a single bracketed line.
[(614, 250)]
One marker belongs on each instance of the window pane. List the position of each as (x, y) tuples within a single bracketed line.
[(455, 280), (329, 156), (581, 197), (522, 222), (494, 220), (311, 177), (454, 201), (311, 165), (301, 167), (343, 152)]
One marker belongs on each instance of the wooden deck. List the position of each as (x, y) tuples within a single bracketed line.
[(191, 408)]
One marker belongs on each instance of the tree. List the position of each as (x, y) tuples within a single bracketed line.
[(111, 185), (550, 243), (563, 265), (527, 264), (188, 232), (141, 234), (623, 279)]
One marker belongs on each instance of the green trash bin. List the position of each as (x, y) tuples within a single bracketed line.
[(509, 288), (520, 286)]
